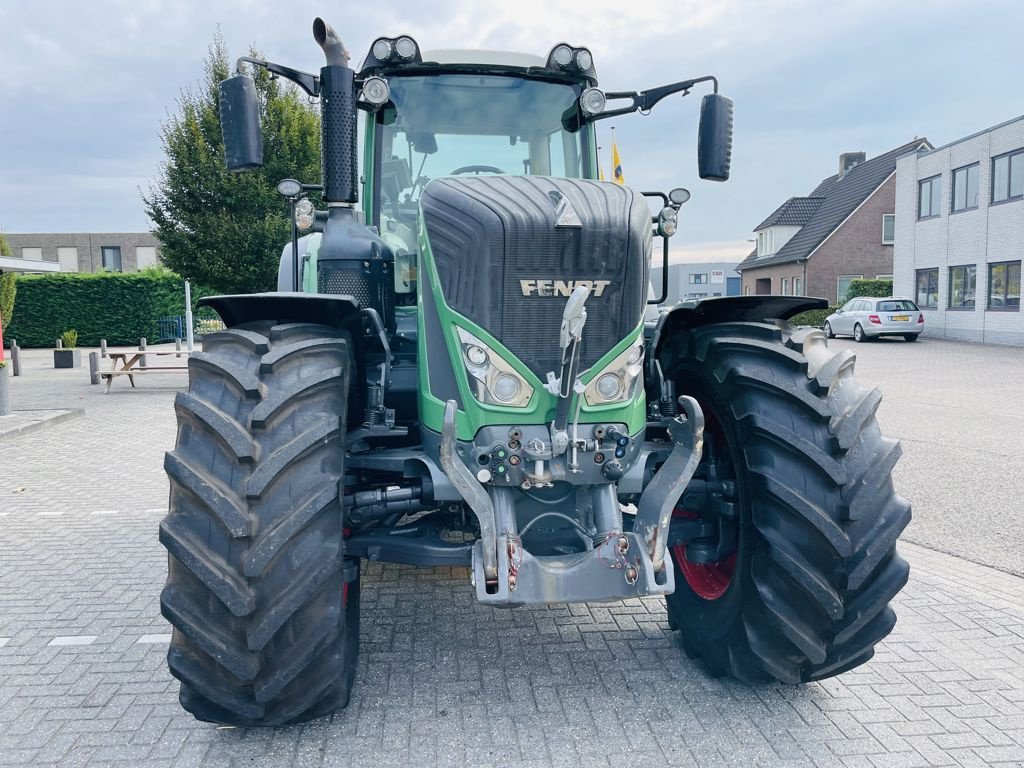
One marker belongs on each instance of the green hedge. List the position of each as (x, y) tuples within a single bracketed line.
[(879, 288), (121, 308), (815, 317)]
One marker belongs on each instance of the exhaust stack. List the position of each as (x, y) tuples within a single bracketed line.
[(337, 118)]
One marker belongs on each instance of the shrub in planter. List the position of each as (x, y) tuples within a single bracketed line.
[(70, 356)]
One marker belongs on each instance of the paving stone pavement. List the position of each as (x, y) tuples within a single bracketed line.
[(441, 679)]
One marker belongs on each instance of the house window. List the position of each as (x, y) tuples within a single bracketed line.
[(928, 288), (883, 277), (962, 282), (36, 254), (785, 286), (965, 188), (746, 290), (698, 278), (1004, 286), (843, 285), (1008, 176), (796, 286), (929, 194), (888, 228), (111, 258)]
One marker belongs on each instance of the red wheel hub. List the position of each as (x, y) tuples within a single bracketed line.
[(707, 580)]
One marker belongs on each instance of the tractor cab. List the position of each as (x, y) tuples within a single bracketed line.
[(464, 113)]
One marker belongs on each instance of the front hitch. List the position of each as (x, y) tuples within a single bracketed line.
[(472, 492), (654, 511)]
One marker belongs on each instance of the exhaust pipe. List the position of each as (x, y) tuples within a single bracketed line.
[(337, 118), (334, 50)]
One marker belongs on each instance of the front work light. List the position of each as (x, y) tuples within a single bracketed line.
[(562, 55), (375, 91), (592, 101), (289, 188)]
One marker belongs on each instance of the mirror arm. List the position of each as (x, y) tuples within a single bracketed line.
[(644, 101), (307, 82)]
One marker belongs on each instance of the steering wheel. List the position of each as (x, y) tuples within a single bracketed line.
[(478, 169)]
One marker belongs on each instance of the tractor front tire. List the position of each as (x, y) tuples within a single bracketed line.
[(805, 595), (263, 603)]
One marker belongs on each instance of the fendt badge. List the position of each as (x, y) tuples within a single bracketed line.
[(565, 214), (561, 287)]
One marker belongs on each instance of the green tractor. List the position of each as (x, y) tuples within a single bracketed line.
[(460, 372)]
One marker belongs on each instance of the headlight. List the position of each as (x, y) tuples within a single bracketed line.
[(491, 378), (616, 383), (583, 59)]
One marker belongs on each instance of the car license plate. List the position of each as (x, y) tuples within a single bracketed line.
[(899, 318)]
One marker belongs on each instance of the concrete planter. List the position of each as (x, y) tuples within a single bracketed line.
[(67, 358), (5, 390)]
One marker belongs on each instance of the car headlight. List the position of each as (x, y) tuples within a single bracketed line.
[(491, 378), (616, 382)]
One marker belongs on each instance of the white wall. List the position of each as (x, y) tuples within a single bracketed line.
[(978, 236)]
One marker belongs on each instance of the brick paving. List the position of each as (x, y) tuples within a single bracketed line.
[(441, 679)]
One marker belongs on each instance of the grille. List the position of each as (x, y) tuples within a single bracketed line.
[(488, 234), (368, 285), (348, 281)]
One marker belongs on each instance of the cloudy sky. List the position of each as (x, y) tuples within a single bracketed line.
[(84, 87)]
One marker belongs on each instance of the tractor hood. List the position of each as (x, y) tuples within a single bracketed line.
[(510, 249)]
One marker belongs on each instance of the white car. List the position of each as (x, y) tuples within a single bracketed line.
[(866, 317)]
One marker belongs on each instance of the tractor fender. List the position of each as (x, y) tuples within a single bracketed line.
[(337, 310), (687, 315)]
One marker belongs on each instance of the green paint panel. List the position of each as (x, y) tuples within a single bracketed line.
[(474, 414)]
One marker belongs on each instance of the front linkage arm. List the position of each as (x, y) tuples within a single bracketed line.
[(654, 511)]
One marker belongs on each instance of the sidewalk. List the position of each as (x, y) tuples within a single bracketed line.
[(442, 680)]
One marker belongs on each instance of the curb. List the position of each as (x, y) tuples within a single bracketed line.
[(58, 415)]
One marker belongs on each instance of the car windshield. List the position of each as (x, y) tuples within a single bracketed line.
[(897, 305), (443, 125)]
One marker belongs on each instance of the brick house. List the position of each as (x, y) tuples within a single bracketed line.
[(842, 231)]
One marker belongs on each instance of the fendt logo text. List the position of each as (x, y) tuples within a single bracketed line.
[(561, 287)]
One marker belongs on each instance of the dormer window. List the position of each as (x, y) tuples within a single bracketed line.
[(765, 242)]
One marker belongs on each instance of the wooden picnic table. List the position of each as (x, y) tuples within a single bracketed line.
[(131, 364)]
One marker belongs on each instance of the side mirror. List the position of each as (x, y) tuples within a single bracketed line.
[(714, 138), (240, 123)]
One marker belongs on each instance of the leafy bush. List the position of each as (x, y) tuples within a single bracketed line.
[(814, 317), (879, 288), (7, 286), (121, 308), (69, 338)]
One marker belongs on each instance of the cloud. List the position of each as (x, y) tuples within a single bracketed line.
[(86, 85)]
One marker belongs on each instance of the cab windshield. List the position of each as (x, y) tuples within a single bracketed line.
[(446, 125)]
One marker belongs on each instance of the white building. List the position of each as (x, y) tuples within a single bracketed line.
[(960, 235), (696, 280)]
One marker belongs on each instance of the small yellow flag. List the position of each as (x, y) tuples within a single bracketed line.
[(617, 163)]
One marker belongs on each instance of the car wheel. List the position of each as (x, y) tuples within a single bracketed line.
[(858, 334), (828, 330)]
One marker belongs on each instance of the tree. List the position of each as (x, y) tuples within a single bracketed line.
[(221, 229), (8, 287)]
